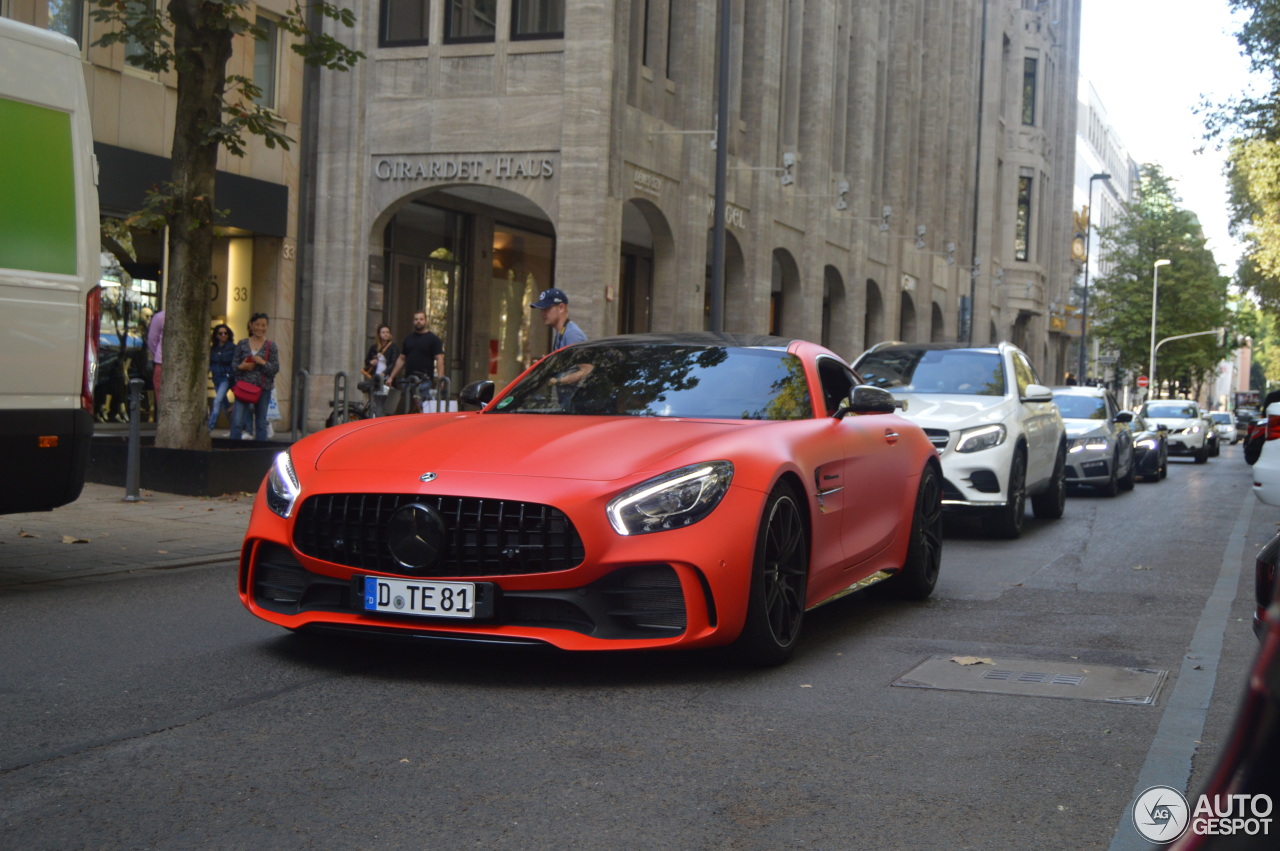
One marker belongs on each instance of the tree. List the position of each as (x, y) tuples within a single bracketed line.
[(1192, 296), (1253, 173), (1253, 116), (214, 110)]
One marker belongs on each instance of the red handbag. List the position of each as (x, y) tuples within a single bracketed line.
[(246, 392)]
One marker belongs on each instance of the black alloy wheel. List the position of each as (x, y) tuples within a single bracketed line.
[(919, 572), (1127, 480), (1112, 487), (1052, 504), (779, 577), (1006, 521)]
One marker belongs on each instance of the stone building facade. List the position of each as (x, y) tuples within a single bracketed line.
[(898, 169)]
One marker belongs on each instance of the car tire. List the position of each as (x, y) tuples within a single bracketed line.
[(1215, 450), (1112, 487), (1164, 468), (1202, 454), (1126, 481), (1051, 504), (919, 572), (1006, 521), (779, 576)]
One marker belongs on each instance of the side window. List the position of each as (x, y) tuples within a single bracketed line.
[(1024, 373), (837, 383)]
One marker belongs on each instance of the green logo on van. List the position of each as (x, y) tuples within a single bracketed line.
[(37, 189)]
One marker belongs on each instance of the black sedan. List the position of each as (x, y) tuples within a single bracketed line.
[(1150, 447)]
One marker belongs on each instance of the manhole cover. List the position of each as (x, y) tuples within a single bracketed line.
[(1036, 679)]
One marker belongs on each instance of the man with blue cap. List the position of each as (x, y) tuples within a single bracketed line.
[(553, 304)]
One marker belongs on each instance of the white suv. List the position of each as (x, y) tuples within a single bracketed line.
[(1190, 429), (997, 431)]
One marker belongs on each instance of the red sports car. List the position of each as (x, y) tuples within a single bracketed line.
[(648, 491)]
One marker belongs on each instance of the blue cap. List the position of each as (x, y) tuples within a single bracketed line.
[(550, 297)]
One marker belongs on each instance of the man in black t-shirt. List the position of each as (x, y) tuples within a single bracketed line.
[(422, 353)]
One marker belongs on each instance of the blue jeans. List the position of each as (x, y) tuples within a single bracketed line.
[(251, 416), (220, 402)]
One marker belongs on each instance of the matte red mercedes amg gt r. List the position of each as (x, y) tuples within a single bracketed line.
[(648, 491)]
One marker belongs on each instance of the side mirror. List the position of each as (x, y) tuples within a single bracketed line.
[(1037, 393), (1124, 417), (866, 399), (477, 393)]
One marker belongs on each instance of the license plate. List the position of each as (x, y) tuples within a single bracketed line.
[(426, 599)]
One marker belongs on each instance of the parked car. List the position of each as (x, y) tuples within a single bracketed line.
[(1247, 768), (1245, 417), (1266, 467), (1190, 431), (1100, 450), (637, 492), (1247, 775), (1225, 425), (996, 429), (1150, 447)]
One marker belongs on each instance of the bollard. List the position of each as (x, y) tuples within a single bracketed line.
[(301, 400), (339, 403), (442, 393), (134, 459)]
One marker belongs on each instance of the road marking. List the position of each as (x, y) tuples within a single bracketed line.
[(1169, 759)]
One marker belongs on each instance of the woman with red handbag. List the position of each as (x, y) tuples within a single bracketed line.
[(257, 360)]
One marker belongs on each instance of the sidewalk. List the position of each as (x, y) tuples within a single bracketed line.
[(101, 534)]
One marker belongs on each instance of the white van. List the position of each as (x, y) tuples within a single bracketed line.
[(49, 270)]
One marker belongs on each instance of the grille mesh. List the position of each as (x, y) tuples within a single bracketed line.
[(486, 537)]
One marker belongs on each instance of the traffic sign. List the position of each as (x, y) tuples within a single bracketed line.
[(1142, 381)]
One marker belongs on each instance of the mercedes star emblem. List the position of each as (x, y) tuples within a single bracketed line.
[(416, 536)]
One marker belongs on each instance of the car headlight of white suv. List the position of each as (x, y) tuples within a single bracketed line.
[(981, 437)]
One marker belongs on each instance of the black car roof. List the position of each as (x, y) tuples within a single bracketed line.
[(696, 338)]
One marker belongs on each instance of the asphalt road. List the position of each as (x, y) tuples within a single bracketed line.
[(151, 711)]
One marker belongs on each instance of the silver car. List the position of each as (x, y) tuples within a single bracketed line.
[(1099, 443)]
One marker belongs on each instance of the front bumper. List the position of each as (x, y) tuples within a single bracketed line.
[(683, 587), (1186, 443)]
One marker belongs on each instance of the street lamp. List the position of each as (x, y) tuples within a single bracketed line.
[(1084, 306), (1155, 292)]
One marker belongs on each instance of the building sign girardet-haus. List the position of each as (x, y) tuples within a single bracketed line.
[(470, 167)]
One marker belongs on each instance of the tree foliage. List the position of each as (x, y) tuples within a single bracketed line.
[(1253, 172), (1192, 293), (1253, 115), (214, 110)]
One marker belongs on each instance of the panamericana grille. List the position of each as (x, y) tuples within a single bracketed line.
[(486, 537), (939, 437)]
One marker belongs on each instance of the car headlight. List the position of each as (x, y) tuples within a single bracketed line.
[(980, 438), (283, 489), (1147, 443), (671, 501), (1093, 444)]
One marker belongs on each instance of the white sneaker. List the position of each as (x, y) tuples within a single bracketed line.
[(246, 436)]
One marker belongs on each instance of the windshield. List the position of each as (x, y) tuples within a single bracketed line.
[(664, 380), (1169, 410), (964, 371), (1080, 407), (1224, 419)]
